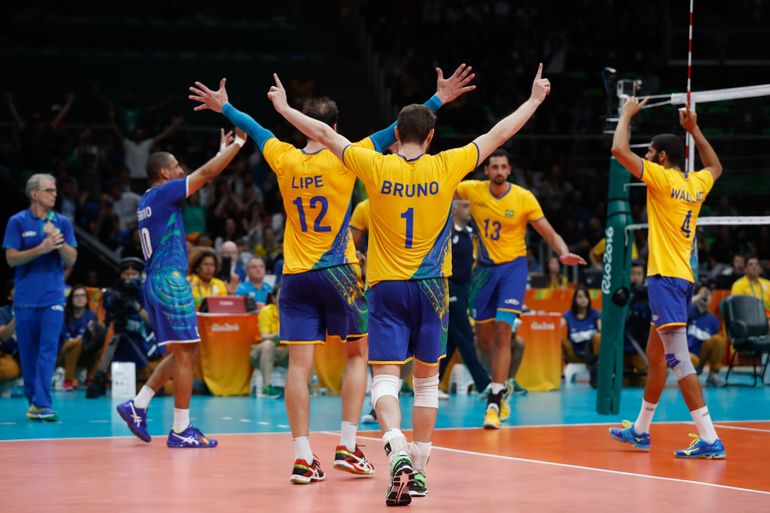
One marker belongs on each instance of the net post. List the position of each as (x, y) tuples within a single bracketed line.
[(616, 268)]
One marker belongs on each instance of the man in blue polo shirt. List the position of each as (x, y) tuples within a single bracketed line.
[(255, 285), (39, 242)]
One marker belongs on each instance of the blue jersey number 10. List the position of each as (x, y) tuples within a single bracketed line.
[(314, 202)]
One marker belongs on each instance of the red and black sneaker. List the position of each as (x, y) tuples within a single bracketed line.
[(305, 473), (354, 462)]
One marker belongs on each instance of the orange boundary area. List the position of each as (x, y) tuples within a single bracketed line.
[(545, 469)]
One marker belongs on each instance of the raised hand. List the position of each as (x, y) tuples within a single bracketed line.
[(572, 259), (688, 119), (540, 86), (225, 139), (632, 106), (277, 95), (212, 100), (449, 89)]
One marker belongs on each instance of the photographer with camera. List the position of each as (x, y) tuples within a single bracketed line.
[(637, 328), (132, 339)]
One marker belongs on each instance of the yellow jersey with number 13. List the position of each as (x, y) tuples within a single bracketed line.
[(674, 201), (410, 201)]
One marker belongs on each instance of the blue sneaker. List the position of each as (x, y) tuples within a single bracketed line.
[(44, 414), (627, 435), (135, 418), (190, 438), (700, 449)]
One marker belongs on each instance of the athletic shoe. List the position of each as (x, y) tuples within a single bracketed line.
[(190, 438), (42, 414), (354, 462), (627, 435), (492, 417), (505, 400), (304, 472), (518, 389), (135, 418), (271, 392), (401, 479), (700, 449), (442, 396), (713, 380), (70, 385), (369, 418), (419, 486)]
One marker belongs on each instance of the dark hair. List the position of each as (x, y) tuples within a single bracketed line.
[(753, 257), (415, 123), (323, 109), (638, 262), (498, 153), (156, 162), (69, 308), (673, 146), (574, 306), (198, 253), (272, 295)]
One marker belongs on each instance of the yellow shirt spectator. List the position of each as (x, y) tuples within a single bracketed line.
[(752, 284), (269, 322), (200, 290)]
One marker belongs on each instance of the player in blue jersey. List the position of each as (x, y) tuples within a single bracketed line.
[(39, 242), (167, 294)]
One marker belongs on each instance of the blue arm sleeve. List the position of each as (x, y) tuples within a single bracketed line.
[(387, 136), (248, 124)]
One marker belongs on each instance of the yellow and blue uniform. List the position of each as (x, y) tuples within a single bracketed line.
[(500, 276), (360, 218), (409, 254), (38, 303), (674, 200), (759, 289), (322, 295)]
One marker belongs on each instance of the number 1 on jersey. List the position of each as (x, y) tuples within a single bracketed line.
[(686, 224), (408, 215)]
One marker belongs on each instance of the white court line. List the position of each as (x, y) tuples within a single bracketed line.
[(577, 467), (724, 426)]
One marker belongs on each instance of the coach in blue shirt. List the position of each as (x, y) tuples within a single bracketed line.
[(39, 242)]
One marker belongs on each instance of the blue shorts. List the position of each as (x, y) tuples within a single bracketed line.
[(171, 307), (408, 319), (325, 302), (669, 300), (497, 291)]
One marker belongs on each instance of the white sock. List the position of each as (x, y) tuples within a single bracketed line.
[(348, 435), (397, 441), (143, 398), (420, 453), (302, 450), (496, 388), (642, 424), (705, 427), (181, 420)]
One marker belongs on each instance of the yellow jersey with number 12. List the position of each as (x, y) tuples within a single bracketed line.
[(674, 201), (316, 190), (410, 223), (501, 222)]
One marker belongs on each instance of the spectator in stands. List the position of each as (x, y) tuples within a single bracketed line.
[(703, 339), (637, 328), (194, 215), (584, 326), (752, 284), (39, 134), (255, 285), (9, 347), (269, 351), (271, 249), (203, 281), (78, 319), (556, 280), (134, 246), (230, 254), (725, 275), (124, 205)]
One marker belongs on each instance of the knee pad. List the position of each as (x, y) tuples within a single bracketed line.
[(384, 385), (426, 391), (677, 353)]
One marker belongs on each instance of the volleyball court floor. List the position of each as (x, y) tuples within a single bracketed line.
[(554, 455)]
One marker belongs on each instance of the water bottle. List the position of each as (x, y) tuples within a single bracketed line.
[(314, 385)]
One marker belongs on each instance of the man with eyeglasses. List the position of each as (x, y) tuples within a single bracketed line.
[(39, 243)]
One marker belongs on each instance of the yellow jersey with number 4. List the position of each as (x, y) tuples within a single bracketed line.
[(316, 190), (501, 222), (410, 203), (674, 200)]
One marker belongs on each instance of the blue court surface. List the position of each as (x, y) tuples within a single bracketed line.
[(575, 404)]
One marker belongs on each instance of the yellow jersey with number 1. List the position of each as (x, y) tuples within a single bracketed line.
[(410, 203), (501, 222), (674, 200)]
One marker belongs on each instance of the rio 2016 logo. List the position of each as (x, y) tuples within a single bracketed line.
[(607, 263)]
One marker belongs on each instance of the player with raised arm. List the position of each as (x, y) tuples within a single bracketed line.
[(410, 195), (167, 294), (502, 212), (674, 199), (322, 294)]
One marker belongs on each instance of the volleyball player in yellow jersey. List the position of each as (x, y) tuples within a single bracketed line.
[(322, 294), (409, 259), (674, 199), (359, 221), (502, 212)]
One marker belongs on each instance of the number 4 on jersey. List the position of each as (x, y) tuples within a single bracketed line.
[(686, 224)]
